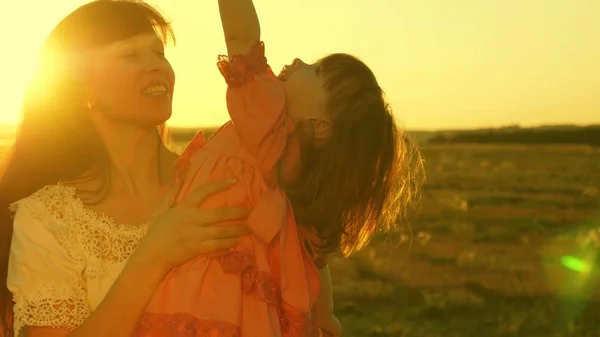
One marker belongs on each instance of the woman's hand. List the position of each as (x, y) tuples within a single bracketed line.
[(181, 232)]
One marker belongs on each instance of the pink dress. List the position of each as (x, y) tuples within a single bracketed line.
[(267, 286)]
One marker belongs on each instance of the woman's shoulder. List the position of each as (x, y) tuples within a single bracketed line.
[(47, 201), (49, 196)]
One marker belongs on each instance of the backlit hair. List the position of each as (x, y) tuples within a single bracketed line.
[(365, 176)]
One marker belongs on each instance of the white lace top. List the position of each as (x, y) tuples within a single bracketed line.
[(63, 258)]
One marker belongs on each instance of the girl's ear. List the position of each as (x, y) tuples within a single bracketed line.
[(317, 128)]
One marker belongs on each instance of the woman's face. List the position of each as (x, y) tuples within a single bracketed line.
[(132, 82)]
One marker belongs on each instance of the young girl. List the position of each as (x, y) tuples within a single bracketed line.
[(317, 156)]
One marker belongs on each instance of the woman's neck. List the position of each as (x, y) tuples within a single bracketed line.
[(135, 156)]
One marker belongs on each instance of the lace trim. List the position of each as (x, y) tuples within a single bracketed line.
[(57, 307), (81, 231), (264, 288), (181, 325), (239, 69), (293, 322), (256, 282)]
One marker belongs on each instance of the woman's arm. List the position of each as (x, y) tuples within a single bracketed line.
[(124, 302), (240, 25), (122, 306)]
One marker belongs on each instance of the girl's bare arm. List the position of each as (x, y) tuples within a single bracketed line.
[(240, 25)]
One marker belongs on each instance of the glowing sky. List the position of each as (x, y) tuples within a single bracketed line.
[(443, 64)]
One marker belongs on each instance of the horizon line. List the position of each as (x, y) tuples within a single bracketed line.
[(5, 126), (504, 126)]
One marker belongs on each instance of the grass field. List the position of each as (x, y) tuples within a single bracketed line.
[(486, 249), (484, 258)]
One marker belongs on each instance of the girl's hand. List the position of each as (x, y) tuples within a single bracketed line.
[(182, 232)]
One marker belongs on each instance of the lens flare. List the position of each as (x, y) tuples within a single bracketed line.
[(575, 264)]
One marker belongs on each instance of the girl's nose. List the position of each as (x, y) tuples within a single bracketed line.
[(298, 62)]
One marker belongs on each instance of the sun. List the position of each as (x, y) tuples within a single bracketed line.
[(25, 30)]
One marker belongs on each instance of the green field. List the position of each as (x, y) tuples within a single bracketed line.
[(485, 254), (484, 258)]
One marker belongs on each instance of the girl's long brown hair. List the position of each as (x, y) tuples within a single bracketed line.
[(56, 140), (366, 174)]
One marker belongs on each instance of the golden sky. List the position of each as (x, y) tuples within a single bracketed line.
[(443, 64)]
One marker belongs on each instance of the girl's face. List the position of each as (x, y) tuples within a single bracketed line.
[(304, 90), (132, 81), (306, 97)]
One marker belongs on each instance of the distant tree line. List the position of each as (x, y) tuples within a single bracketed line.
[(588, 135), (557, 134)]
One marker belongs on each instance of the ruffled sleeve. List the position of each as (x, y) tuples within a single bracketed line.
[(45, 279), (256, 104)]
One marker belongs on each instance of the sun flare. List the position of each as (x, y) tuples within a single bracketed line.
[(25, 38), (20, 70)]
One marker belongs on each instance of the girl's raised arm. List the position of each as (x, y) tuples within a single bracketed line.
[(255, 97), (240, 26)]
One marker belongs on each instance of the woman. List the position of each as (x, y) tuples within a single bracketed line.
[(90, 157)]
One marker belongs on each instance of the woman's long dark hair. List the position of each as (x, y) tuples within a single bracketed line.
[(56, 140), (366, 174)]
